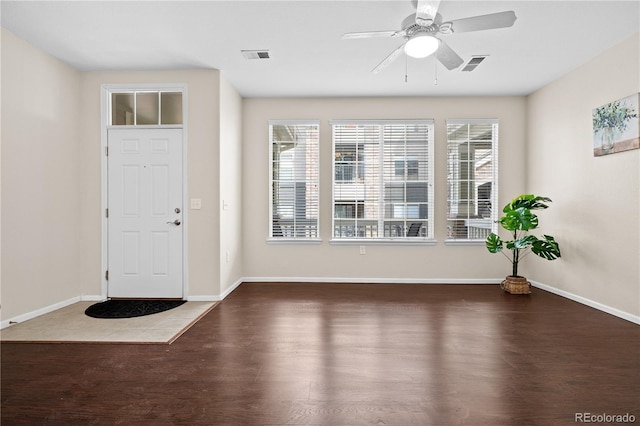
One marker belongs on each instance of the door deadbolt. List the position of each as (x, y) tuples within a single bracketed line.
[(177, 210)]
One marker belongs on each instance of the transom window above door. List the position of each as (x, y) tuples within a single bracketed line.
[(146, 108)]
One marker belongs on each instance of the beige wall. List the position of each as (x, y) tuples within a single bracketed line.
[(50, 177), (40, 179), (230, 183), (203, 129), (596, 210), (262, 260)]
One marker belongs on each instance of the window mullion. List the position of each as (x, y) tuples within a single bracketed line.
[(381, 181), (294, 184), (159, 108), (405, 177)]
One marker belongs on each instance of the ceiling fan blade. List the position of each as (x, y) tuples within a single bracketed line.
[(370, 34), (448, 57), (426, 12), (392, 56), (484, 22)]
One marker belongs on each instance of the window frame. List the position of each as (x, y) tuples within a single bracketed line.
[(135, 111), (493, 198), (271, 239), (409, 160)]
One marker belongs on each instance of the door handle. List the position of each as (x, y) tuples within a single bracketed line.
[(175, 222)]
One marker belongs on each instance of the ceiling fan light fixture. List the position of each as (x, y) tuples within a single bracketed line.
[(421, 46)]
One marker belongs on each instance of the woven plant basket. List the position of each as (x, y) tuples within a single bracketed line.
[(516, 285)]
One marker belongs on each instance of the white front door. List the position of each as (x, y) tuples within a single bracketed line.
[(145, 216)]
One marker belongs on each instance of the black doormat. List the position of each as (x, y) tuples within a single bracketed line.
[(130, 308)]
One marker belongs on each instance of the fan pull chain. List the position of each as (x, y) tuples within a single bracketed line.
[(406, 60), (435, 66)]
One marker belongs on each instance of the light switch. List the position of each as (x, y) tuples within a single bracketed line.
[(196, 203)]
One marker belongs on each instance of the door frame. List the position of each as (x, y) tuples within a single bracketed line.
[(105, 96)]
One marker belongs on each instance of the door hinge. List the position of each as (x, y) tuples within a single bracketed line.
[(106, 212), (106, 275), (106, 151)]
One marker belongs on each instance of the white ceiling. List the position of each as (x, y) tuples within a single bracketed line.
[(308, 56)]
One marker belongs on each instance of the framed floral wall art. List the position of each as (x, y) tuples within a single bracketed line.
[(616, 126)]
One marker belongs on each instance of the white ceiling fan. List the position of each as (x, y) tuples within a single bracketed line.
[(421, 30)]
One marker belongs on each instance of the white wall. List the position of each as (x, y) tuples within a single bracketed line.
[(230, 183), (262, 260), (595, 214), (40, 179)]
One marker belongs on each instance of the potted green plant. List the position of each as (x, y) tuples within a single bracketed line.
[(519, 219)]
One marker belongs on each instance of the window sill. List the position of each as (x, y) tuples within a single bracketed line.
[(294, 241), (464, 242), (383, 242)]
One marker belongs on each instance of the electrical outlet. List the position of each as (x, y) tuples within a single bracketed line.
[(363, 250)]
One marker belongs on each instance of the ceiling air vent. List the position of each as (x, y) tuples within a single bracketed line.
[(472, 63), (255, 54)]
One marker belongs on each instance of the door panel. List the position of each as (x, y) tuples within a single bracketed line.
[(145, 220), (131, 253), (160, 253), (159, 190), (130, 190)]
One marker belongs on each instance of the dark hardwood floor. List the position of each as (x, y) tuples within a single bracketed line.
[(343, 354)]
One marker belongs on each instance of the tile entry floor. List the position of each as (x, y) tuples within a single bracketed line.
[(70, 324)]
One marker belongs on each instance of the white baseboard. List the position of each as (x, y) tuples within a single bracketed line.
[(373, 280), (38, 312), (588, 302), (100, 298), (215, 298), (93, 298), (583, 300), (230, 289)]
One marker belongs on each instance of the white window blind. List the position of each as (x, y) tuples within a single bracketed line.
[(383, 180), (294, 171), (472, 170)]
